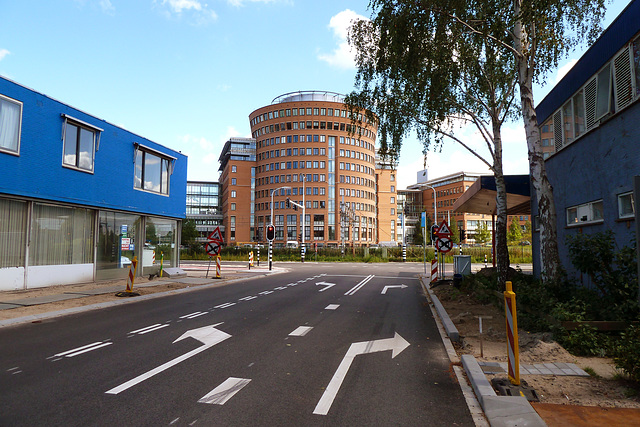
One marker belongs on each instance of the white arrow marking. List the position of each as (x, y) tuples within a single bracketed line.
[(396, 344), (326, 285), (208, 335), (384, 290), (225, 391)]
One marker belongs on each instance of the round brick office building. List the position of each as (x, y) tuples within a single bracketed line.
[(309, 152)]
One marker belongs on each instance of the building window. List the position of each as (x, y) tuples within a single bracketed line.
[(233, 181), (79, 146), (233, 193), (393, 200), (10, 123), (234, 168), (626, 205), (151, 171), (584, 214), (233, 206)]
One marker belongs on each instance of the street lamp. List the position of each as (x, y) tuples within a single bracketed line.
[(271, 241)]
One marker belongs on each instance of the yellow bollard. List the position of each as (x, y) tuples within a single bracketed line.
[(132, 274), (513, 351)]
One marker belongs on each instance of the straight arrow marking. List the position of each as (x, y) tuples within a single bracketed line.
[(384, 290), (396, 344), (207, 335)]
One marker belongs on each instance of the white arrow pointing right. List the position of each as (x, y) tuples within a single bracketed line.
[(396, 344), (325, 284), (386, 288)]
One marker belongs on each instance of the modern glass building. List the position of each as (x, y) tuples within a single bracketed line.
[(203, 206)]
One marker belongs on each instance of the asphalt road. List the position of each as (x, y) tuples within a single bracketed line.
[(324, 344)]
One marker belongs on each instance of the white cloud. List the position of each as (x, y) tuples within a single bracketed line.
[(562, 71), (3, 53), (107, 7), (240, 3), (201, 13), (343, 55)]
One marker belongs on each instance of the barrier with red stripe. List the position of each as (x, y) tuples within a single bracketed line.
[(434, 270), (132, 274), (512, 335), (218, 267)]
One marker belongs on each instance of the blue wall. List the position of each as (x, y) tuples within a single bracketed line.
[(600, 165), (38, 171)]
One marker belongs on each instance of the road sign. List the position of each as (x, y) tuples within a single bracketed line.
[(216, 235), (444, 244), (213, 247), (444, 230)]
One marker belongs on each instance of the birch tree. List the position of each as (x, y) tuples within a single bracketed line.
[(424, 64), (419, 70)]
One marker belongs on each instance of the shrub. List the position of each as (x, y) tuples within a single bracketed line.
[(627, 352)]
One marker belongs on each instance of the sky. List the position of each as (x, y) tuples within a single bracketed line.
[(188, 73)]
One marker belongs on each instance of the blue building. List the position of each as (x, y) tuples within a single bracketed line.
[(80, 197), (590, 125)]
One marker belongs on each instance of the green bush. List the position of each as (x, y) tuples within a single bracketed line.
[(627, 352)]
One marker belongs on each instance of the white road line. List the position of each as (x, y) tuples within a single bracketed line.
[(225, 305), (266, 292), (360, 285), (280, 288), (301, 331), (225, 391), (83, 349), (332, 307), (144, 329), (153, 329), (188, 316), (249, 298)]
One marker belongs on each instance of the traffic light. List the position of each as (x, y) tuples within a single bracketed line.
[(271, 232), (288, 203), (299, 237), (434, 235), (463, 234)]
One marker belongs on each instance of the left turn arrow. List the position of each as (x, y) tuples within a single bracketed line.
[(325, 284), (208, 335)]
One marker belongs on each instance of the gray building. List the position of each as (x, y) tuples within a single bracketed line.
[(203, 206)]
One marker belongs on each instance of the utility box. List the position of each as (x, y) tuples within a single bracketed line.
[(462, 264)]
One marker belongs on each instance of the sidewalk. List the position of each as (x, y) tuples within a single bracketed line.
[(34, 305)]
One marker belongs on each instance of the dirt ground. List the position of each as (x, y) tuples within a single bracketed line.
[(605, 389)]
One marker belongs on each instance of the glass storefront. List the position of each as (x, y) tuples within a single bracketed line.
[(117, 240)]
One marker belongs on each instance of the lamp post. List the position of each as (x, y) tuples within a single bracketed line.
[(435, 219), (271, 241), (303, 249)]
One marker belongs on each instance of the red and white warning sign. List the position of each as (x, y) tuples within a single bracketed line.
[(444, 230)]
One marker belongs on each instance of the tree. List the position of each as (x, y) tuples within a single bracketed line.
[(455, 232), (515, 232), (420, 70), (526, 234), (418, 236), (428, 39), (189, 233), (483, 235)]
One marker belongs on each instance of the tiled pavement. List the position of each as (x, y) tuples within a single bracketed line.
[(535, 369)]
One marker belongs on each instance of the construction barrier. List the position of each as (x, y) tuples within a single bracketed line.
[(161, 262), (218, 267), (434, 270), (512, 335), (132, 274), (250, 259)]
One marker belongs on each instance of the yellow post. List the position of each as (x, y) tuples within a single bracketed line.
[(513, 351), (161, 261)]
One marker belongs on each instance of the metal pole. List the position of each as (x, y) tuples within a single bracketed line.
[(270, 252), (304, 217)]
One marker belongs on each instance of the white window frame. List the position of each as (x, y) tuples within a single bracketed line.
[(585, 213), (621, 214), (9, 150), (81, 125)]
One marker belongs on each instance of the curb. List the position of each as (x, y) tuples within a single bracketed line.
[(75, 310), (499, 410)]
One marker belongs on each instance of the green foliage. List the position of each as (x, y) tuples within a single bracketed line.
[(483, 235), (526, 235), (627, 352), (514, 234), (614, 273), (585, 341)]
